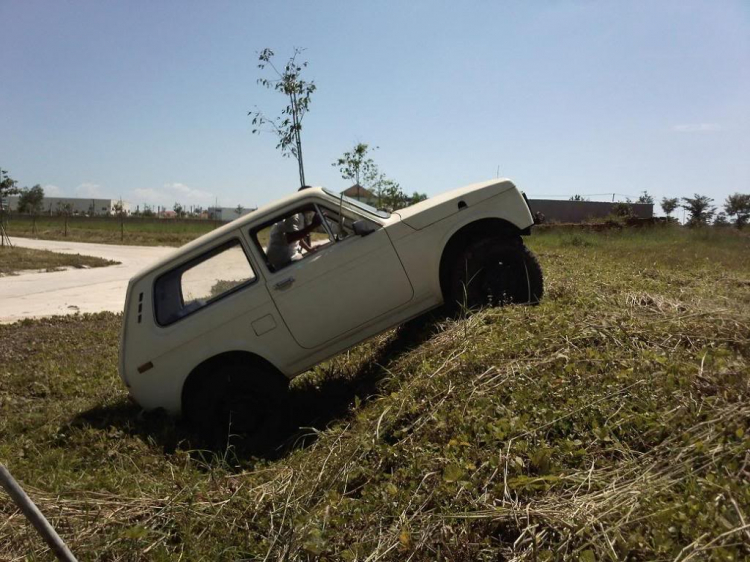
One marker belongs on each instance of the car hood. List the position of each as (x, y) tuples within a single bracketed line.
[(442, 206)]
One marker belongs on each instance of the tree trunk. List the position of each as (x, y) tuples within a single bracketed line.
[(297, 139)]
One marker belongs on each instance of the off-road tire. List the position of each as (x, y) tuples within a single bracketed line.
[(245, 401), (495, 271)]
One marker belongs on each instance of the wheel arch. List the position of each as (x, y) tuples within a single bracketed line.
[(468, 233), (217, 363)]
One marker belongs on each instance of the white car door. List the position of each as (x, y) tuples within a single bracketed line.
[(339, 288)]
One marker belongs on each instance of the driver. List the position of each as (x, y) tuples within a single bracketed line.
[(288, 238)]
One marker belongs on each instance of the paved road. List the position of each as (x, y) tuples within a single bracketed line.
[(34, 295)]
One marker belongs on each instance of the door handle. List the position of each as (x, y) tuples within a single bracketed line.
[(285, 284)]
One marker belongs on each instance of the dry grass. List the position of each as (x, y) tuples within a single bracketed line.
[(611, 422), (15, 260)]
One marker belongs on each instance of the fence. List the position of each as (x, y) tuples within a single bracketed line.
[(107, 228)]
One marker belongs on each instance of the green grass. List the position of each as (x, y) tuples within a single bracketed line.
[(136, 231), (106, 230), (610, 422), (15, 260)]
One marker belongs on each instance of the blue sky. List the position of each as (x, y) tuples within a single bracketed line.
[(149, 100)]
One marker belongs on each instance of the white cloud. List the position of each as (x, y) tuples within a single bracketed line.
[(188, 193), (89, 191), (52, 190), (697, 128), (170, 193), (148, 195)]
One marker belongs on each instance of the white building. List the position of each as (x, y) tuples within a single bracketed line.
[(78, 205), (227, 214)]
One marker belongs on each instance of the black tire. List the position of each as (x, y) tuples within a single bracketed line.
[(237, 400), (495, 272)]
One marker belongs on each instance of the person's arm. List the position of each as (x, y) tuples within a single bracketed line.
[(298, 235)]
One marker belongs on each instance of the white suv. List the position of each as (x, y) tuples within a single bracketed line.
[(215, 330)]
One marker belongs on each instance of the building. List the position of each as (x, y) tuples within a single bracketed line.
[(76, 205), (361, 194), (579, 211), (226, 214)]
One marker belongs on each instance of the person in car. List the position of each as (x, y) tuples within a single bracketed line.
[(288, 238)]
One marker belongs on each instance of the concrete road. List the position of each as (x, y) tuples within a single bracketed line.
[(34, 295)]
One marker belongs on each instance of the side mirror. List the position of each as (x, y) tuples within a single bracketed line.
[(363, 228)]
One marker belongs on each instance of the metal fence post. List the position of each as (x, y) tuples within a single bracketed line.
[(35, 516)]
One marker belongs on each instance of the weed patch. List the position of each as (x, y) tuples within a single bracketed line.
[(15, 260)]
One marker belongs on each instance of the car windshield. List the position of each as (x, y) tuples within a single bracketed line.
[(360, 205)]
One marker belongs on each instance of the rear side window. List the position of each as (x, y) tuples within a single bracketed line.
[(201, 282)]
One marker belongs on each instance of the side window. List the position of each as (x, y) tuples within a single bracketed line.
[(201, 281), (291, 237)]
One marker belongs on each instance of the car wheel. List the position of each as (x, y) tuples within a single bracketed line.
[(237, 400), (494, 272)]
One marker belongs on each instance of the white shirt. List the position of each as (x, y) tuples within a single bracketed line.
[(280, 252)]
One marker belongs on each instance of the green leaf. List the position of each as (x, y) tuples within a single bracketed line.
[(315, 543), (452, 473), (136, 532)]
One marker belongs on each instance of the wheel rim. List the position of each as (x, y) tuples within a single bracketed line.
[(500, 281)]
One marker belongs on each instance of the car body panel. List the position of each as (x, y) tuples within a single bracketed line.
[(339, 288), (437, 208)]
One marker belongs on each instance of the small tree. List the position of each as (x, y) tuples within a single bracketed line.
[(669, 204), (721, 219), (738, 206), (120, 212), (355, 165), (416, 197), (699, 208), (577, 197), (645, 199), (30, 200), (7, 188), (288, 126), (621, 209), (239, 210), (390, 195), (64, 209), (178, 209)]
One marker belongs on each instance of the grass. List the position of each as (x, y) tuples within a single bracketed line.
[(15, 260), (106, 230), (610, 422), (136, 231)]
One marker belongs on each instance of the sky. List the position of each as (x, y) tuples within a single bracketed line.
[(149, 101)]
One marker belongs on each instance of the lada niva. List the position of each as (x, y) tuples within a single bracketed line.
[(215, 330)]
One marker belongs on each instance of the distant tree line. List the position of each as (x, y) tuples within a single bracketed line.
[(736, 209)]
